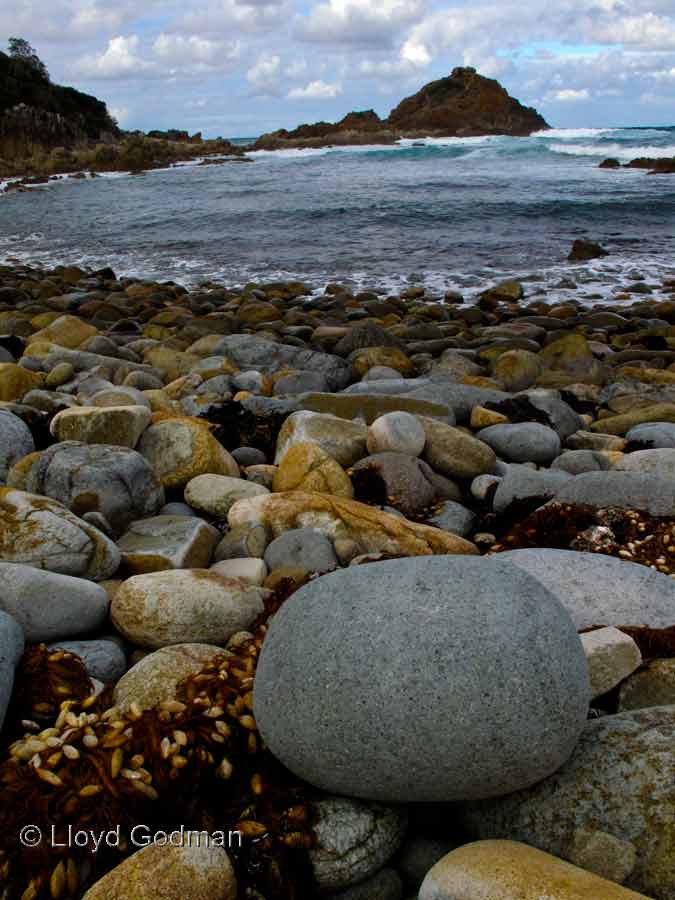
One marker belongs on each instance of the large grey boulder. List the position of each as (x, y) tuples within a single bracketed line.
[(249, 351), (660, 462), (522, 483), (600, 590), (115, 481), (427, 678), (619, 780), (624, 489), (16, 441), (49, 606), (522, 442), (11, 648)]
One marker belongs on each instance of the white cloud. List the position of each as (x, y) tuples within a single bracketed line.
[(120, 59), (315, 90), (194, 53), (264, 75), (358, 21), (569, 95), (121, 114), (218, 16), (296, 69)]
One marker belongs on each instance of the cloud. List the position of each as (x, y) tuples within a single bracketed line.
[(264, 75), (194, 53), (568, 95), (121, 114), (228, 16), (315, 90), (358, 21), (120, 59)]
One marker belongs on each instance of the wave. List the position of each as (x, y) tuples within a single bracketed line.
[(571, 134), (620, 151)]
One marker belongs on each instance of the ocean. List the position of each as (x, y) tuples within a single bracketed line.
[(453, 214)]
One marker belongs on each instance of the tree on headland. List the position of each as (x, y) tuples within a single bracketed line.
[(19, 48)]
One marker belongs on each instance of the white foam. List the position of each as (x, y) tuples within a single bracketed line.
[(619, 151), (572, 134)]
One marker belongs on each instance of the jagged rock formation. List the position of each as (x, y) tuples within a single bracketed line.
[(38, 115), (462, 105)]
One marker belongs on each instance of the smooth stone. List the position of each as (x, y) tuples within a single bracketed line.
[(365, 628), (373, 530), (177, 509), (122, 395), (378, 373), (341, 439), (121, 426), (523, 484), (216, 494), (623, 423), (11, 650), (269, 357), (611, 656), (509, 870), (454, 453), (517, 370), (307, 467), (399, 432), (252, 569), (243, 542), (155, 678), (103, 659), (49, 606), (302, 548), (628, 490), (587, 586), (40, 532), (353, 840), (660, 463), (619, 780), (194, 870), (16, 441), (403, 481), (16, 381), (168, 542), (654, 435), (249, 456), (370, 407), (522, 442), (587, 440), (179, 449), (603, 854), (184, 606), (652, 685), (576, 462), (66, 331), (300, 383), (561, 417), (453, 517), (481, 485), (114, 481)]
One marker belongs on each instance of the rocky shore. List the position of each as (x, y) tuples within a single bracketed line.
[(382, 585)]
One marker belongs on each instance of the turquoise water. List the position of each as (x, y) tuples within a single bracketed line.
[(454, 213)]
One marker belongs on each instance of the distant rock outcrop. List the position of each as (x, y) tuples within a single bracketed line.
[(38, 115), (465, 104)]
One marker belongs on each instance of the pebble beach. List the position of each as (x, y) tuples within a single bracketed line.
[(378, 584)]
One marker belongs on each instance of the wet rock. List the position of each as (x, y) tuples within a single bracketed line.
[(183, 605), (420, 743), (583, 250), (40, 532), (48, 605)]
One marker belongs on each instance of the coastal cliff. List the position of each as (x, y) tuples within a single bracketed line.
[(465, 104), (37, 116)]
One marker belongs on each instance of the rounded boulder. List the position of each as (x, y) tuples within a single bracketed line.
[(441, 678)]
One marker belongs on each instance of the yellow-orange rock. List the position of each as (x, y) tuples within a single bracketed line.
[(306, 467), (15, 381)]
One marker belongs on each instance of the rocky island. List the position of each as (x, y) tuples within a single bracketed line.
[(465, 104)]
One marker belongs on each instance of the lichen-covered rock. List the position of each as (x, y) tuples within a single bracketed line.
[(114, 481), (66, 331), (345, 441), (193, 870), (373, 530), (508, 870), (168, 542), (652, 685), (121, 426), (15, 381), (354, 840), (454, 453), (184, 606), (179, 449), (155, 677), (40, 532), (306, 467), (618, 780)]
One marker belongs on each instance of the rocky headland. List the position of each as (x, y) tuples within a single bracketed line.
[(47, 129), (383, 584), (465, 104)]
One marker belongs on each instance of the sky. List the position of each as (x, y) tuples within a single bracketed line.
[(239, 68)]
